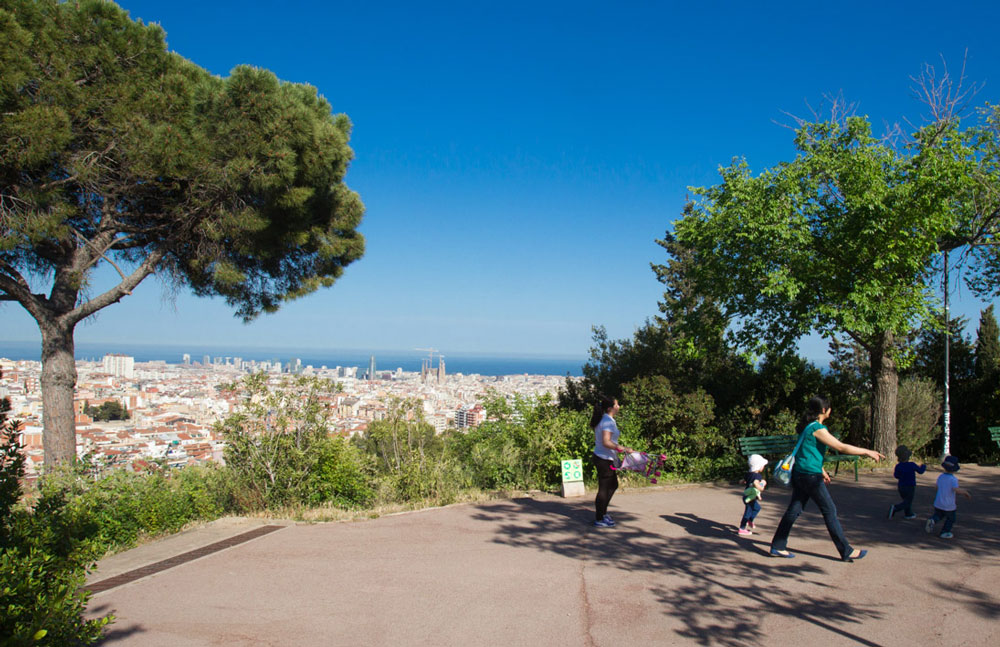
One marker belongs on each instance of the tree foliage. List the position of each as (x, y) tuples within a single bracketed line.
[(110, 410), (841, 240), (114, 150)]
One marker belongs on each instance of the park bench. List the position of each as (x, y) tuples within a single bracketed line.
[(777, 447), (995, 434)]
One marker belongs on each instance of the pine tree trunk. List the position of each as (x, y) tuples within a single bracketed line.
[(885, 389), (58, 384)]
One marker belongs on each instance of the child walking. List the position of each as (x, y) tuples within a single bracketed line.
[(906, 473), (754, 485), (944, 502)]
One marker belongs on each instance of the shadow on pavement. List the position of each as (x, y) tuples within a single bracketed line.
[(114, 631), (710, 609), (714, 611)]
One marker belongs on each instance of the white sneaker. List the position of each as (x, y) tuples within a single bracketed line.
[(929, 526), (946, 535)]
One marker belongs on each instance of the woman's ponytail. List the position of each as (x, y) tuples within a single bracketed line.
[(600, 408), (816, 405)]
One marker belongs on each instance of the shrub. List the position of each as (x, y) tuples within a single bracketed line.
[(44, 555), (918, 411), (272, 439), (676, 425), (522, 444), (342, 475)]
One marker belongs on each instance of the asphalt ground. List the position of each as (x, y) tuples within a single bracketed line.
[(532, 571)]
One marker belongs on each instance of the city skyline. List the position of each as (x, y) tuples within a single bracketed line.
[(519, 162)]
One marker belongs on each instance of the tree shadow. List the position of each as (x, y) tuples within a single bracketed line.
[(863, 510), (710, 610), (114, 631)]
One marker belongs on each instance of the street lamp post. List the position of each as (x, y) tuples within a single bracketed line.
[(947, 359)]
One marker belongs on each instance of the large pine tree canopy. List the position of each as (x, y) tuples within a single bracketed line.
[(115, 150)]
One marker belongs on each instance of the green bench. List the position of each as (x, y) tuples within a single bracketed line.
[(995, 434), (777, 447)]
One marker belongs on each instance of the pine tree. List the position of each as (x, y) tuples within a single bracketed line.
[(115, 150), (987, 345)]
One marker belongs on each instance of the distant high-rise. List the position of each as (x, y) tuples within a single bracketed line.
[(371, 368), (119, 365), (440, 370), (206, 360), (186, 358)]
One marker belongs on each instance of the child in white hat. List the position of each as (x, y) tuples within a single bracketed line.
[(944, 502), (754, 487)]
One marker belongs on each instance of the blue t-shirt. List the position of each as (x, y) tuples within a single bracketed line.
[(751, 477), (907, 472), (607, 423)]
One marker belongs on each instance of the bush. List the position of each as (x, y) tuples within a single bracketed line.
[(342, 475), (123, 506), (918, 410), (44, 556), (678, 426), (274, 440), (522, 444)]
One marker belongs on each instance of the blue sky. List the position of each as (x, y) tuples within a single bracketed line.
[(518, 160)]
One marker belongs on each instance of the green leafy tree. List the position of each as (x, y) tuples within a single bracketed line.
[(114, 150), (110, 410), (842, 239)]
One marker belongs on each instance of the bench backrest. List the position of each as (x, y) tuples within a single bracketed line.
[(767, 445), (995, 433)]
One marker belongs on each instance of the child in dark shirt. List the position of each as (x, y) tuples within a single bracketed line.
[(754, 485), (906, 473)]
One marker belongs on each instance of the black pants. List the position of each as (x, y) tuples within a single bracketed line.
[(607, 483)]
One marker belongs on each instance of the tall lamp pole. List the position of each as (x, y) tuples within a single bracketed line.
[(947, 372)]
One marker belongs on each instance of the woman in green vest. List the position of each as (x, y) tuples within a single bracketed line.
[(809, 481)]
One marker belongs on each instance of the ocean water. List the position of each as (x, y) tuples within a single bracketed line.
[(385, 360)]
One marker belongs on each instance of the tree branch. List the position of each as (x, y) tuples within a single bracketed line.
[(100, 253), (115, 294), (15, 288)]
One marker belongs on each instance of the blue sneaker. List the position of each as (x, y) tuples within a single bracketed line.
[(608, 519), (602, 523)]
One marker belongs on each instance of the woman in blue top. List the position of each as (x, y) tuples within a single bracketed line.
[(605, 447), (809, 481)]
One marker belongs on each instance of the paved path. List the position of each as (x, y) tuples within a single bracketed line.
[(531, 571)]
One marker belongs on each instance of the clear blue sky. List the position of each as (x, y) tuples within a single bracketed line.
[(519, 159)]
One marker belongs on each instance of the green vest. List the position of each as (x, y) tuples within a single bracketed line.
[(809, 458)]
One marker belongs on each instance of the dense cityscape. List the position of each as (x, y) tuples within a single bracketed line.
[(173, 408)]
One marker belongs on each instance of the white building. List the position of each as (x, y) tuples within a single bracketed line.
[(119, 365)]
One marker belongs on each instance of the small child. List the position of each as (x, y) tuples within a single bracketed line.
[(754, 485), (944, 502), (906, 473)]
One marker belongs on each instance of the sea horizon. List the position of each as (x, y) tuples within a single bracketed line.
[(482, 363)]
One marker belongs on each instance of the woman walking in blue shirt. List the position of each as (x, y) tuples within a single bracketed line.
[(809, 481)]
